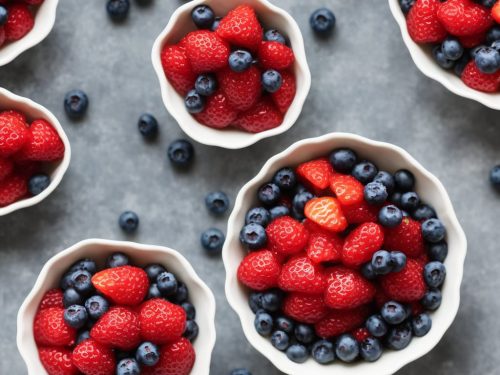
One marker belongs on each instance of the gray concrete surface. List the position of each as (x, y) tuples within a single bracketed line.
[(363, 82)]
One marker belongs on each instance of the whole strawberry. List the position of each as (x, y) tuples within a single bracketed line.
[(362, 243), (324, 247), (299, 274), (57, 361), (259, 270), (52, 298), (464, 17), (305, 308), (406, 237), (480, 81), (161, 321), (13, 135), (347, 289), (6, 167), (240, 27), (176, 358), (177, 68), (44, 143), (118, 328), (360, 213), (338, 322), (408, 285), (206, 51), (274, 55), (423, 23), (50, 329), (286, 235), (92, 358), (283, 98), (19, 23), (242, 90), (12, 189), (218, 113), (261, 117)]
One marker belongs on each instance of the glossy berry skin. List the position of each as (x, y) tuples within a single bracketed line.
[(322, 21), (390, 216), (438, 251), (421, 324), (393, 312), (194, 102), (315, 174), (279, 211), (381, 262), (284, 324), (423, 212), (255, 301), (368, 272), (253, 236), (57, 360), (81, 282), (217, 202), (269, 194), (406, 237), (441, 59), (375, 193), (212, 240), (347, 189), (153, 270), (464, 17), (299, 203), (398, 260), (276, 56), (305, 308), (206, 84), (299, 274), (180, 153), (241, 27), (478, 80), (38, 183), (433, 230), (410, 201), (118, 9), (206, 51), (148, 126), (272, 300), (259, 270), (365, 172), (327, 213), (280, 340), (271, 80), (51, 298), (258, 215), (176, 358), (75, 316), (423, 23), (240, 60), (147, 354), (408, 285), (191, 331), (189, 309), (286, 235), (273, 35), (178, 69), (297, 353), (285, 179), (181, 295), (434, 274), (376, 325), (347, 289), (452, 49), (161, 321), (167, 283), (128, 221), (404, 179), (12, 189), (93, 358), (203, 16), (131, 289), (322, 352), (76, 103), (346, 348), (117, 260), (128, 366), (96, 306), (399, 337), (386, 179), (263, 323), (370, 349), (71, 297), (338, 322), (324, 247), (487, 59), (431, 299), (19, 22), (304, 334), (44, 143), (118, 328), (362, 243), (50, 329), (343, 160), (261, 117)]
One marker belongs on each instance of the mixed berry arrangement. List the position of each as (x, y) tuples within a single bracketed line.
[(232, 72), (344, 259), (121, 320), (17, 18)]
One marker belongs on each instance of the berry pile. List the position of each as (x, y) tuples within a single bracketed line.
[(343, 260), (25, 149), (16, 19), (231, 72), (122, 320)]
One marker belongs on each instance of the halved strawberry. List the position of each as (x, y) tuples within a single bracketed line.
[(241, 28), (327, 213), (283, 98), (347, 189), (243, 90), (316, 174), (177, 68), (218, 113)]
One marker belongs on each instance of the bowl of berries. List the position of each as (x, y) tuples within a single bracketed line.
[(109, 307), (232, 73), (24, 24), (344, 254), (455, 42), (34, 152)]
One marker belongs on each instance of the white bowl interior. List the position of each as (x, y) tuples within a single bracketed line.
[(387, 157), (141, 255), (180, 24)]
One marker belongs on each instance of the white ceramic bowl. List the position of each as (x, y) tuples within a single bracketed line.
[(200, 295), (422, 56), (180, 24), (57, 170), (45, 18), (387, 157)]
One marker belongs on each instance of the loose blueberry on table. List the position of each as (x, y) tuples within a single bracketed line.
[(349, 269), (109, 321)]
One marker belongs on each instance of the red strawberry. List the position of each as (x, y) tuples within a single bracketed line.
[(243, 90), (93, 358), (381, 298), (206, 51), (33, 2), (324, 247), (360, 213), (286, 235), (347, 289), (6, 168), (57, 361), (118, 328), (52, 298), (361, 334), (471, 41), (263, 116), (495, 12), (362, 243), (283, 98), (347, 189), (299, 274), (408, 285), (44, 143), (12, 189), (480, 81), (315, 173), (259, 270), (341, 321), (406, 237), (17, 115), (305, 308), (177, 69), (2, 35), (464, 17), (176, 358), (416, 308), (13, 135), (217, 113), (161, 321), (326, 212), (19, 22), (274, 55), (423, 23), (49, 328), (124, 285), (241, 28)]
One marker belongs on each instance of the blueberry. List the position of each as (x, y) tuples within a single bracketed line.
[(147, 354), (216, 23), (322, 21), (493, 34), (304, 333), (189, 309), (76, 103), (258, 215), (346, 348), (487, 59), (3, 15), (441, 59), (410, 201), (461, 64), (71, 297), (38, 183), (203, 16), (117, 260), (423, 212), (84, 264), (128, 221), (438, 251), (148, 125), (386, 179), (279, 211), (299, 202), (365, 172), (153, 291), (75, 316), (368, 272), (343, 160), (269, 193), (370, 349), (395, 198), (181, 295), (284, 324), (393, 312), (375, 193), (274, 35), (433, 230), (206, 84), (194, 102), (399, 337), (128, 366), (452, 49), (381, 262), (255, 301), (253, 236), (118, 9), (191, 331), (421, 324), (297, 353), (263, 323), (398, 261), (286, 179), (96, 306), (167, 283), (404, 180), (434, 274), (495, 176), (488, 3), (280, 340), (431, 299), (376, 325), (217, 202), (390, 216), (153, 270), (240, 60), (240, 371), (81, 281), (271, 80), (322, 352), (82, 336), (181, 152), (272, 300), (406, 5)]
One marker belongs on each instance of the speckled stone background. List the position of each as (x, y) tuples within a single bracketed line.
[(363, 82)]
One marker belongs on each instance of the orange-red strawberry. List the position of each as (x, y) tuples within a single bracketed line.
[(360, 213), (177, 68), (423, 23), (13, 135), (326, 212), (361, 334), (406, 237), (126, 285), (49, 328), (347, 289), (52, 298), (176, 358), (283, 98), (286, 235), (161, 321), (324, 247), (495, 12), (57, 361), (347, 189), (92, 358), (338, 322), (274, 55), (12, 189), (241, 28), (305, 308), (44, 143), (480, 81), (261, 117), (206, 51), (19, 22), (6, 167), (299, 274), (315, 173), (243, 90), (217, 113), (464, 17), (118, 328), (259, 270), (408, 285), (362, 243)]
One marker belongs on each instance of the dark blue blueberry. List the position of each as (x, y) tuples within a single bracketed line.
[(189, 309), (280, 340), (194, 102), (203, 16), (75, 316), (299, 201), (368, 272), (269, 193), (365, 172), (71, 297), (38, 183), (181, 152), (191, 331), (441, 59), (147, 354), (274, 35), (153, 270), (322, 352), (346, 348), (406, 5), (271, 80), (148, 126), (438, 251), (376, 325), (96, 306), (434, 274), (117, 260), (181, 295), (399, 337), (81, 281), (487, 59), (433, 230), (393, 312), (263, 323), (423, 212), (390, 216), (240, 371), (452, 49), (82, 336), (286, 179), (240, 60), (206, 84), (258, 215), (488, 3), (386, 179), (153, 291), (217, 202), (284, 324), (370, 349), (398, 261), (76, 103), (304, 333), (272, 300), (381, 262), (253, 236), (322, 21), (128, 366), (375, 193), (128, 221), (395, 198), (84, 264), (421, 324), (495, 176), (3, 15), (343, 160), (118, 9), (410, 201), (65, 281), (255, 301), (297, 353), (432, 299), (167, 283), (493, 34), (216, 23), (404, 180), (461, 64), (279, 211)]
